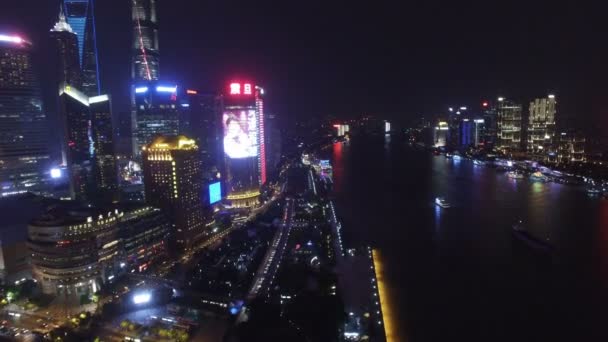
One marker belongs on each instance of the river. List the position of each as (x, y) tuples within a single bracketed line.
[(459, 274)]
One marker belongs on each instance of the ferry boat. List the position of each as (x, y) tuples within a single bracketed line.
[(520, 232), (539, 177), (515, 175), (440, 201), (478, 162)]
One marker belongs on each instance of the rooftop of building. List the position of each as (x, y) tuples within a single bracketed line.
[(175, 142), (73, 212)]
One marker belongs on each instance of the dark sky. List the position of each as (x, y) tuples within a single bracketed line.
[(395, 59)]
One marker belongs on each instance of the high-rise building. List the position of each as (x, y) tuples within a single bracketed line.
[(244, 143), (145, 41), (77, 144), (489, 116), (173, 181), (273, 143), (156, 113), (541, 126), (571, 147), (106, 169), (509, 125), (24, 150), (65, 42), (88, 143), (200, 115), (440, 134), (81, 18)]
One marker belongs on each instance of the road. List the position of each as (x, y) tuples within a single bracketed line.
[(272, 260)]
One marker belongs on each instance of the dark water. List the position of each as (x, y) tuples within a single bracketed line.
[(459, 274)]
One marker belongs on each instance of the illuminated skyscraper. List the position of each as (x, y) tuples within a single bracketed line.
[(104, 149), (173, 180), (81, 17), (24, 155), (244, 143), (145, 41), (541, 126), (156, 113), (65, 42), (88, 143), (509, 125)]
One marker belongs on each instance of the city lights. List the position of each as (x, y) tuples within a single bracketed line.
[(166, 89), (11, 39), (141, 90), (142, 298), (55, 173), (235, 88)]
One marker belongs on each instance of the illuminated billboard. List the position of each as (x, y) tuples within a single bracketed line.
[(240, 133), (215, 192)]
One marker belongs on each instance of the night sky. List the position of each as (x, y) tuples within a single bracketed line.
[(393, 59)]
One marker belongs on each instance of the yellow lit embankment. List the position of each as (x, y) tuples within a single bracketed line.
[(385, 302)]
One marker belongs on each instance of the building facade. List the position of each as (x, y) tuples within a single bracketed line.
[(571, 147), (156, 113), (75, 249), (81, 18), (104, 148), (173, 181), (24, 150), (145, 63), (541, 126), (509, 125), (244, 143), (88, 144)]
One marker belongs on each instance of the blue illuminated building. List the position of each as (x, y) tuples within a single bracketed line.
[(81, 17)]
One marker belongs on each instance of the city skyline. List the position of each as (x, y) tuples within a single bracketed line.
[(447, 61)]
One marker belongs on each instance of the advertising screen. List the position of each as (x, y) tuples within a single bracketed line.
[(240, 133), (215, 192)]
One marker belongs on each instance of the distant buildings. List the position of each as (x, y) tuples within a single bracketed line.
[(440, 134), (24, 146), (571, 147), (542, 138), (75, 249), (173, 181), (81, 18), (509, 125)]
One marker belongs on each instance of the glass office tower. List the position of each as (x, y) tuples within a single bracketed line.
[(24, 154), (81, 17)]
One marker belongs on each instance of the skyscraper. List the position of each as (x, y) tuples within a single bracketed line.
[(145, 41), (81, 17), (77, 144), (65, 42), (106, 175), (509, 125), (541, 126), (173, 181), (200, 115), (88, 143), (156, 113), (24, 155), (244, 144)]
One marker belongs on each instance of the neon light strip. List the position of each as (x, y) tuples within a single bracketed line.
[(10, 39), (141, 42)]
